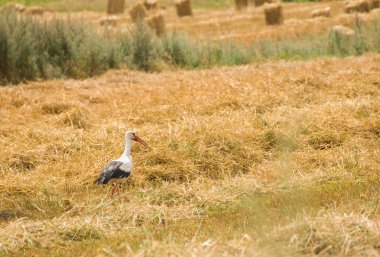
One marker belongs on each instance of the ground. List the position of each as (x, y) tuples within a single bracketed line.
[(277, 158)]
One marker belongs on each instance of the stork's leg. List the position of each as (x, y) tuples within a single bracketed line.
[(115, 189)]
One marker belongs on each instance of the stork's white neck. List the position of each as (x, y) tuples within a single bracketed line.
[(127, 150)]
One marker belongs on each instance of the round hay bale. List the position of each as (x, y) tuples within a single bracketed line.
[(19, 7), (241, 4), (321, 12), (357, 6), (109, 21), (138, 12), (258, 3), (34, 10), (157, 23), (150, 4), (374, 4), (342, 30), (273, 14), (12, 7), (115, 6), (183, 8)]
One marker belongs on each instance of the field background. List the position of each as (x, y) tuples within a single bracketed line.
[(274, 158)]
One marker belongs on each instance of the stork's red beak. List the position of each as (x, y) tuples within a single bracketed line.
[(137, 139)]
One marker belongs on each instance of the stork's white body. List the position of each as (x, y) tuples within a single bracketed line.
[(127, 163), (122, 167)]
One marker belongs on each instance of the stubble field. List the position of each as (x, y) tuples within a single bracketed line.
[(276, 158)]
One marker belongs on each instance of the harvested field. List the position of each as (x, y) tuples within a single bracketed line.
[(261, 148), (246, 27), (277, 157)]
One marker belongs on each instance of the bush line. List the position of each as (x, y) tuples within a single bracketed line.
[(31, 49)]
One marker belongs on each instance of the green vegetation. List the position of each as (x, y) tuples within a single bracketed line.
[(31, 49), (27, 1)]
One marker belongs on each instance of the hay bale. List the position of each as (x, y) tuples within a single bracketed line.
[(115, 6), (241, 4), (12, 7), (342, 30), (138, 12), (357, 6), (321, 12), (19, 7), (374, 4), (183, 8), (109, 21), (157, 23), (150, 4), (258, 3), (273, 14), (34, 10)]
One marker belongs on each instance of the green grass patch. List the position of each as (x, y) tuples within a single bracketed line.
[(255, 213), (81, 233), (262, 209), (34, 205)]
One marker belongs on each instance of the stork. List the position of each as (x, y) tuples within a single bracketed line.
[(122, 167)]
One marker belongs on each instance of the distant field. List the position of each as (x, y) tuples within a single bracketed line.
[(74, 45), (100, 5)]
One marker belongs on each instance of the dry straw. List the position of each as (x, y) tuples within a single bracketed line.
[(138, 12), (357, 6), (241, 4), (183, 8), (115, 6), (220, 140), (76, 117), (157, 23), (321, 12), (332, 233), (273, 14), (150, 4)]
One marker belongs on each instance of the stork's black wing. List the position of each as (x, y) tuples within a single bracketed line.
[(111, 170)]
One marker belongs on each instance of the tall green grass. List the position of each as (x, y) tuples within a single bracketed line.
[(31, 49)]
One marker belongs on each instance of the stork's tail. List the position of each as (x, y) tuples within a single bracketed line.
[(101, 181)]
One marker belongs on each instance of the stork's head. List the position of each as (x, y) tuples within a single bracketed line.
[(131, 135)]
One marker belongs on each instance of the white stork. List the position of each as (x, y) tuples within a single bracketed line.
[(122, 167)]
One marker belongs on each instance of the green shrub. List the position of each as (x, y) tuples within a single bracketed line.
[(31, 49), (145, 47), (5, 63), (180, 50)]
